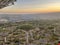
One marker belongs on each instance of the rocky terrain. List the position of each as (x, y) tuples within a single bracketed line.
[(43, 32)]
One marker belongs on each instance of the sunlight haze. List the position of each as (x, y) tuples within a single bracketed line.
[(33, 6)]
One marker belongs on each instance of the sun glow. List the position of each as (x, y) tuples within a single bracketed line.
[(52, 7)]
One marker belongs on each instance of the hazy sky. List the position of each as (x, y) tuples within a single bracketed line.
[(33, 6)]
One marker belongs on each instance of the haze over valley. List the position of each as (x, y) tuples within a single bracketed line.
[(25, 17)]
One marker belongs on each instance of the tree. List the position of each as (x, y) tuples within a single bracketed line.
[(26, 28), (5, 3)]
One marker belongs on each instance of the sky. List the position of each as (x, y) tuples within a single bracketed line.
[(33, 6)]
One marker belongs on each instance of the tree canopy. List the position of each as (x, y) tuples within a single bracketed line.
[(5, 3), (26, 27)]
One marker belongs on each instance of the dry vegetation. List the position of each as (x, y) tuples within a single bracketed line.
[(43, 32)]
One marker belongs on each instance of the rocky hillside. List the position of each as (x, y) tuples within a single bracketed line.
[(43, 32)]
